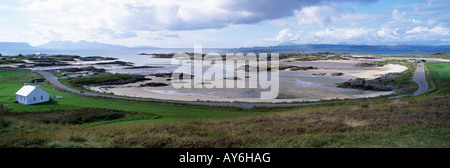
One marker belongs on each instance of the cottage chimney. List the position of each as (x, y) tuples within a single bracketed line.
[(36, 86)]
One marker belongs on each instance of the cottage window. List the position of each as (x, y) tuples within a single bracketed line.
[(42, 97), (34, 98)]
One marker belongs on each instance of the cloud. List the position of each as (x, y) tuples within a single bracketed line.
[(328, 14), (117, 19), (400, 29), (283, 35), (156, 15)]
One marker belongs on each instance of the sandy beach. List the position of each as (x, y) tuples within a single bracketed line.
[(295, 86)]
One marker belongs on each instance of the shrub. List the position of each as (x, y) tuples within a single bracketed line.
[(89, 118), (4, 123), (106, 79)]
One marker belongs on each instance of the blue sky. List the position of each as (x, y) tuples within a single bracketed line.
[(226, 23)]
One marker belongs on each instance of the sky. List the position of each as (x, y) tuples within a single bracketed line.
[(226, 23)]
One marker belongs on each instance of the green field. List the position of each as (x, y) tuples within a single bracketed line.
[(441, 73), (12, 81), (421, 121)]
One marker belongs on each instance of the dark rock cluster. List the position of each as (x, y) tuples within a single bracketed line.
[(377, 84), (337, 74), (89, 68), (367, 64), (115, 63), (96, 58), (154, 84), (134, 79)]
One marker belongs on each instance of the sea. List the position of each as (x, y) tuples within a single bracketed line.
[(132, 54)]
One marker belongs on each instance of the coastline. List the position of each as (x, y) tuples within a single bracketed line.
[(304, 87)]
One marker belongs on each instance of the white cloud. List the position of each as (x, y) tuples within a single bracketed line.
[(283, 35), (139, 22), (155, 15), (328, 15), (400, 29)]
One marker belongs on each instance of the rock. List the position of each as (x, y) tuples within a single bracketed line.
[(143, 67), (89, 68), (232, 78), (337, 74), (390, 76), (319, 74), (154, 84), (134, 79), (367, 64), (115, 63), (169, 75), (96, 58), (47, 64), (372, 85), (295, 68)]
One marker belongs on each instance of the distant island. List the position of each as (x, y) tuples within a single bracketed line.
[(344, 47)]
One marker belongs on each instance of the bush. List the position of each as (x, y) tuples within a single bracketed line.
[(89, 118), (71, 116), (4, 123), (106, 79)]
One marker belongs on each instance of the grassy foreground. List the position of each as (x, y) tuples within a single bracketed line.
[(421, 121)]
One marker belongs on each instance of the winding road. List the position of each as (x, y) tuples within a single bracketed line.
[(419, 78)]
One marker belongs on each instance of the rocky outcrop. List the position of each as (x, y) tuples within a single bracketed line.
[(143, 67), (89, 68), (47, 64), (377, 84), (319, 74), (134, 79), (390, 76), (154, 84), (169, 75), (115, 63), (96, 58), (337, 74), (368, 64), (232, 78), (296, 68)]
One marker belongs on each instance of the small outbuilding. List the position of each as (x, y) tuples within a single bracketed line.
[(29, 94)]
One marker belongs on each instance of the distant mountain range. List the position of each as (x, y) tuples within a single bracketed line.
[(14, 45), (67, 45), (284, 47)]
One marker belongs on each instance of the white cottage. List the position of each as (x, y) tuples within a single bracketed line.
[(29, 94)]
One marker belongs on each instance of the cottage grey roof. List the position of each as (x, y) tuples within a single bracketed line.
[(26, 90)]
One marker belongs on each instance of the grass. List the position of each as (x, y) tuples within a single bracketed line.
[(406, 77), (61, 73), (11, 61), (72, 116), (437, 55), (382, 123), (421, 121), (101, 78), (441, 73), (11, 81)]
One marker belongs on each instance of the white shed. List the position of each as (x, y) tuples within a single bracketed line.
[(29, 94)]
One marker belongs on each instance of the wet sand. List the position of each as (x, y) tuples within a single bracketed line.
[(295, 86)]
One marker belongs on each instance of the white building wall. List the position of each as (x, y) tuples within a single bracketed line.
[(21, 99), (34, 97)]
